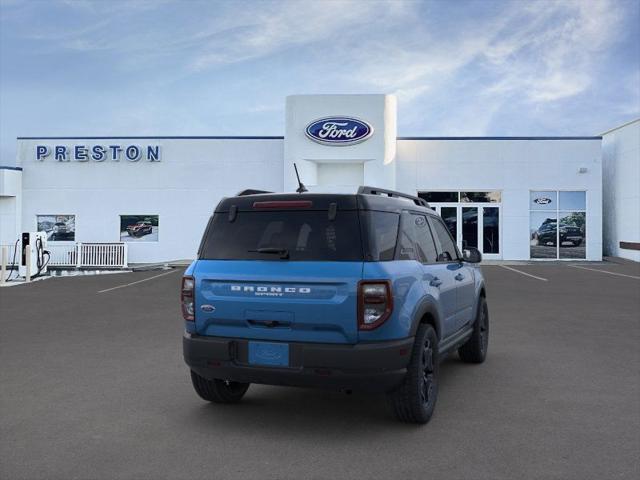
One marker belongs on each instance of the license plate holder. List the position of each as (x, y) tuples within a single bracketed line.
[(269, 354)]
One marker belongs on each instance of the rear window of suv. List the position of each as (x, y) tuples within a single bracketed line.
[(304, 235)]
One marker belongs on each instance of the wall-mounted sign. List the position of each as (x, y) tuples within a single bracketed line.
[(338, 130), (542, 200), (57, 227), (98, 153), (134, 228)]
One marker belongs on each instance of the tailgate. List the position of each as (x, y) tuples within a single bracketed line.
[(276, 300)]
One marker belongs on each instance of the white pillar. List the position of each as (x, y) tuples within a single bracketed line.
[(27, 277)]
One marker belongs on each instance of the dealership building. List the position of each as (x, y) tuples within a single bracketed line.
[(515, 198)]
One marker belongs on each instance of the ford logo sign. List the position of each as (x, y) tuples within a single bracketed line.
[(339, 130), (542, 200)]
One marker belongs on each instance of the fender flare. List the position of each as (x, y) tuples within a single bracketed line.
[(481, 291), (427, 306)]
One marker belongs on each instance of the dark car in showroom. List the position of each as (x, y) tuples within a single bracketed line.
[(548, 234), (140, 228), (571, 234)]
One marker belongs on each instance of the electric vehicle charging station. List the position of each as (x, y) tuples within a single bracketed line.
[(34, 254)]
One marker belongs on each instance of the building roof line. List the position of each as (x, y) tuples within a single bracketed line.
[(502, 138), (256, 137), (159, 137), (621, 126)]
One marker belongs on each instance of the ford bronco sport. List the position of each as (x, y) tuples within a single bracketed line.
[(363, 291)]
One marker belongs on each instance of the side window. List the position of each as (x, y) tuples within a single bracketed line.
[(446, 247), (407, 241), (425, 245), (416, 242)]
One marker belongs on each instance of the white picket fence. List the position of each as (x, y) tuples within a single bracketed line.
[(102, 255), (82, 255)]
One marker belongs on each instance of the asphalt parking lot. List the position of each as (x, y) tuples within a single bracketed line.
[(92, 385)]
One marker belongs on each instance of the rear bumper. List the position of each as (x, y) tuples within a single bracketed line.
[(373, 367)]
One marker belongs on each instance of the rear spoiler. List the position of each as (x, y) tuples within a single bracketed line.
[(251, 191)]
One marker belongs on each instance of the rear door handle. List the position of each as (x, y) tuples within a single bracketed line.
[(435, 282), (459, 277)]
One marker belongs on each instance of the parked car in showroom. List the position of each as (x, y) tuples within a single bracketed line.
[(571, 234), (139, 229), (548, 234)]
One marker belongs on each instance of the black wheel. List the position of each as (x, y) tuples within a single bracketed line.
[(415, 399), (218, 391), (475, 349)]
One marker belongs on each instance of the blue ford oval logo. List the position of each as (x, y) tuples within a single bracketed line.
[(339, 130)]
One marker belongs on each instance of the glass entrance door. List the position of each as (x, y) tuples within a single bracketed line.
[(490, 227), (472, 217), (470, 227), (474, 226)]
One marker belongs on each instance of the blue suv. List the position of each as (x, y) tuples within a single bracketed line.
[(364, 291)]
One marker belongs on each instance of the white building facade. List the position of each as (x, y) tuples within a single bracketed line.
[(514, 198), (621, 186)]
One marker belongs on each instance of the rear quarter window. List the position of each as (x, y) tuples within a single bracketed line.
[(380, 230)]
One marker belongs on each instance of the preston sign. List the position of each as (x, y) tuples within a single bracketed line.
[(98, 153), (338, 130)]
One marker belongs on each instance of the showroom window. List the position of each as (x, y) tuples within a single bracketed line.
[(439, 197), (494, 196), (472, 217), (558, 224), (59, 228)]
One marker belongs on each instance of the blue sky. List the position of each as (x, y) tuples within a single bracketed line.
[(224, 68)]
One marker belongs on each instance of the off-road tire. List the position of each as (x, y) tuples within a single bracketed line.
[(474, 350), (218, 391), (415, 399)]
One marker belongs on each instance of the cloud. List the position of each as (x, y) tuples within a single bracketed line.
[(200, 67), (265, 108), (554, 49), (253, 34), (531, 54)]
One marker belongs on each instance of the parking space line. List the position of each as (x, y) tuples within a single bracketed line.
[(139, 281), (524, 273), (605, 271)]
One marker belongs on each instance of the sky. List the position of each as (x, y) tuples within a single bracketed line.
[(188, 67)]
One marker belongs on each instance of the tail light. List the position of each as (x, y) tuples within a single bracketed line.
[(375, 303), (186, 298)]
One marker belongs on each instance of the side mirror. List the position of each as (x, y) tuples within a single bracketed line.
[(471, 255)]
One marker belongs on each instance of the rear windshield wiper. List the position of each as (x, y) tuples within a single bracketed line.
[(283, 252)]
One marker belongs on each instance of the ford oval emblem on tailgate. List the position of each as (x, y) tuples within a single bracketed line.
[(208, 308), (338, 130)]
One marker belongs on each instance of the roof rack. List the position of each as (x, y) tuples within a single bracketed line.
[(250, 191), (392, 193)]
